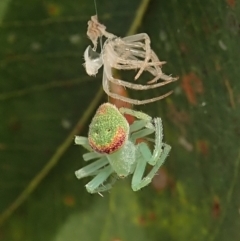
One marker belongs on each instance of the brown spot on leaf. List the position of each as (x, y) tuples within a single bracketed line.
[(53, 10), (183, 48), (14, 124), (192, 85), (179, 118), (152, 216), (231, 3), (141, 220), (69, 200), (203, 147), (216, 208)]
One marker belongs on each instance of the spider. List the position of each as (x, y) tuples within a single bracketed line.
[(128, 53), (113, 143)]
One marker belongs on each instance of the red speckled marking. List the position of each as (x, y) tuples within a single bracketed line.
[(115, 145), (192, 85)]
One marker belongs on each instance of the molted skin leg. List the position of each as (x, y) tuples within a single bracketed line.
[(107, 76), (137, 181), (139, 37)]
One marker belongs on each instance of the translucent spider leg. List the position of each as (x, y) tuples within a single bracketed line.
[(139, 37), (137, 131), (157, 127), (138, 114), (159, 74), (83, 141), (94, 186), (132, 86), (158, 141), (158, 137), (91, 169), (108, 76), (122, 56), (132, 61), (137, 181)]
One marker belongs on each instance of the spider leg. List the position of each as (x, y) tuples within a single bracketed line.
[(156, 63), (94, 186), (137, 125), (138, 65), (157, 71), (107, 77), (136, 49), (141, 134), (154, 67), (139, 37), (91, 155), (158, 141), (156, 126), (91, 168), (137, 181), (106, 186), (136, 129), (122, 55), (125, 58), (140, 115), (83, 141), (159, 74)]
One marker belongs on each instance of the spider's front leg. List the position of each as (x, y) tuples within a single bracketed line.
[(144, 152), (151, 125)]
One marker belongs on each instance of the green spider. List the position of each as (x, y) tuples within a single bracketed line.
[(113, 143)]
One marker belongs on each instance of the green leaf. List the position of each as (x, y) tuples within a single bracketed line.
[(46, 98), (107, 217), (3, 7)]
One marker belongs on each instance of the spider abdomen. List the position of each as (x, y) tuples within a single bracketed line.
[(109, 130)]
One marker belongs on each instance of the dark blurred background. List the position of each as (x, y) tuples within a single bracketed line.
[(46, 97)]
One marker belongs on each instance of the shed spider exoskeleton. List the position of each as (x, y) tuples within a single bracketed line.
[(128, 53), (113, 143)]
